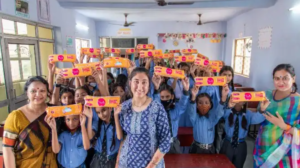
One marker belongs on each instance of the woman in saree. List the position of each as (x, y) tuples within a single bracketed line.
[(27, 137), (277, 143)]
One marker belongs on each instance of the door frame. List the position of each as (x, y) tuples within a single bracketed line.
[(12, 99)]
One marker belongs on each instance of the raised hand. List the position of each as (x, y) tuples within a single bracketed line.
[(278, 121), (231, 104), (132, 66), (50, 121), (88, 112), (194, 92), (225, 91), (193, 69), (264, 105), (186, 83), (51, 67), (82, 119), (59, 78), (117, 110), (156, 80), (73, 63), (95, 74)]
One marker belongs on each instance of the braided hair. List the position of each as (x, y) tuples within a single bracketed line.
[(244, 120)]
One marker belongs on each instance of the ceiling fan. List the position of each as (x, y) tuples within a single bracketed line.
[(201, 23), (126, 24), (164, 3)]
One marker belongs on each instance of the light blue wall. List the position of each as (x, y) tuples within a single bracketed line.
[(285, 47), (151, 30)]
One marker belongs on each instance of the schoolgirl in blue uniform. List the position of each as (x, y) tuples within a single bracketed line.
[(106, 141), (237, 121), (204, 115), (215, 92), (174, 109)]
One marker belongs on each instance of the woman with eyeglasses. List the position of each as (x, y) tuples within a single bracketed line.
[(277, 144), (27, 137)]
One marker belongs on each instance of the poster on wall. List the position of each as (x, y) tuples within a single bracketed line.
[(22, 8), (265, 37), (43, 9), (69, 41)]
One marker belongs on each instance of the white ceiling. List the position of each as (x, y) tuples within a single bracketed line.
[(137, 15), (135, 1)]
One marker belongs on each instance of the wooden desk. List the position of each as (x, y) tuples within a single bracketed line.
[(185, 136), (197, 161)]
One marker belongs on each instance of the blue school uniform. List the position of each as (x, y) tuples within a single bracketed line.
[(95, 121), (179, 87), (110, 151), (214, 93), (204, 126), (251, 117), (72, 153), (176, 112)]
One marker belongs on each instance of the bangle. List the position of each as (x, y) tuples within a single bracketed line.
[(288, 128), (57, 85)]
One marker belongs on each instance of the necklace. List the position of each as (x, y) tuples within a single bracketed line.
[(282, 98), (133, 104)]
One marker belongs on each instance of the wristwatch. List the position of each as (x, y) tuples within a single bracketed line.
[(57, 85)]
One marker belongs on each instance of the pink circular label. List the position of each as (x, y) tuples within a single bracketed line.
[(149, 53), (189, 50), (248, 96), (183, 58), (169, 71), (210, 81), (144, 46), (132, 50), (101, 102), (75, 71), (112, 50), (206, 62), (91, 50), (60, 58)]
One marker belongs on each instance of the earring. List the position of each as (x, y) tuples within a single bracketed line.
[(28, 100)]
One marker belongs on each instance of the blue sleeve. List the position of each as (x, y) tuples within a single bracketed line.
[(192, 82), (156, 97), (210, 90), (151, 71), (192, 112), (124, 71), (216, 113), (182, 104), (61, 138), (170, 81), (95, 120), (80, 141), (227, 113), (163, 130), (254, 117), (137, 62)]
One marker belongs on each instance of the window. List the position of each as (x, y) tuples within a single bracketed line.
[(81, 43), (142, 41), (2, 80), (22, 61), (18, 28), (242, 56)]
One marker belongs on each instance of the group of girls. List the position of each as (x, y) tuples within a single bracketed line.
[(140, 131)]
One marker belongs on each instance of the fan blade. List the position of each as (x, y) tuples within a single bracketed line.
[(180, 3), (131, 23), (115, 24), (199, 23), (210, 22)]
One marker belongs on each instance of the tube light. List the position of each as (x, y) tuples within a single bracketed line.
[(296, 8), (80, 26)]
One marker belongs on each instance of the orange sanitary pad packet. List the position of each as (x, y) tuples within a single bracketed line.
[(202, 56), (95, 65), (112, 50), (92, 52), (62, 58), (211, 81), (165, 56), (145, 46), (248, 96), (109, 101), (168, 72), (116, 62), (189, 51), (202, 62), (76, 72), (130, 51), (151, 53), (174, 51), (185, 58), (60, 111)]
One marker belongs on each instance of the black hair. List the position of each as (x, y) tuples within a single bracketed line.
[(183, 64), (231, 84), (111, 76), (122, 79), (37, 79), (139, 70), (66, 90), (171, 91), (205, 95), (116, 85), (291, 70), (86, 78), (112, 122), (85, 88)]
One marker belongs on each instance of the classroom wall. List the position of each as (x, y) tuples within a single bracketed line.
[(151, 30), (284, 47), (64, 18)]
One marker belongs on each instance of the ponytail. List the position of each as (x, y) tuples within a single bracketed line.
[(230, 119), (244, 120)]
